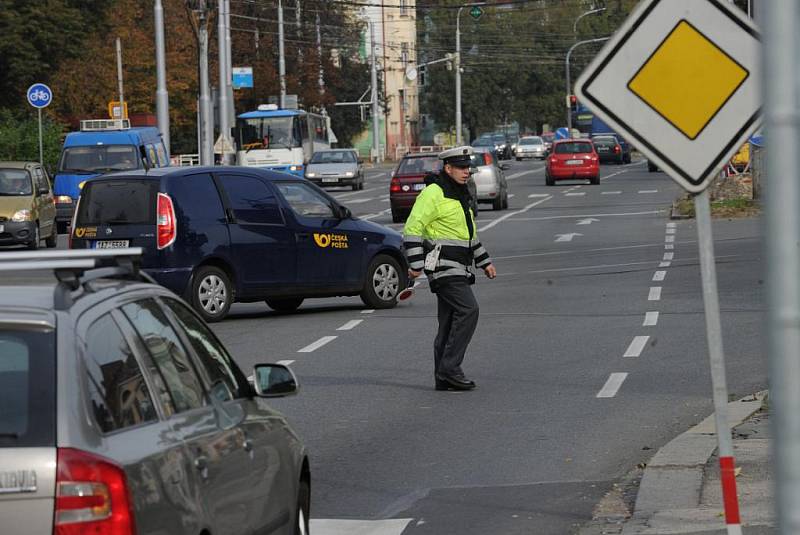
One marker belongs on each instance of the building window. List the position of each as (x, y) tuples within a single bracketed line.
[(403, 8), (404, 55)]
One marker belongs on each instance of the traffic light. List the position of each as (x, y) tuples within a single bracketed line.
[(573, 103)]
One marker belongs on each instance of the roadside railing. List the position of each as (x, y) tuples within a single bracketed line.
[(185, 160)]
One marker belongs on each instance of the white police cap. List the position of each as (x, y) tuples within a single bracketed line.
[(458, 156)]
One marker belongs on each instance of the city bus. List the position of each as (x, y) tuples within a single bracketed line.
[(279, 139)]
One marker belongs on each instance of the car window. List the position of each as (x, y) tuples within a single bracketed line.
[(573, 148), (118, 201), (531, 141), (196, 199), (27, 388), (304, 200), (341, 156), (15, 182), (216, 363), (118, 392), (167, 353), (419, 165), (251, 200)]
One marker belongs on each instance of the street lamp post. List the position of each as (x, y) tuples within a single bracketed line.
[(566, 63), (590, 12), (458, 68)]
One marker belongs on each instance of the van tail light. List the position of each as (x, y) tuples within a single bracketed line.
[(487, 158), (616, 149), (394, 185), (92, 496), (167, 227)]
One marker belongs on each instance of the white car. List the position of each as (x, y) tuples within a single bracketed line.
[(531, 147), (490, 180)]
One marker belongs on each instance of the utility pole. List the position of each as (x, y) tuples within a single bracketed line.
[(376, 143), (569, 83), (282, 57), (224, 125), (321, 65), (162, 96), (205, 142), (119, 81), (229, 57), (458, 76)]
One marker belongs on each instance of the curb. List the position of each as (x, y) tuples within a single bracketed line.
[(674, 477), (674, 214)]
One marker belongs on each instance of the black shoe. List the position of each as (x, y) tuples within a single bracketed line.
[(451, 382)]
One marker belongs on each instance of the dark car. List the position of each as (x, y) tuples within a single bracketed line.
[(218, 235), (609, 149), (572, 159), (624, 154), (121, 411), (408, 179)]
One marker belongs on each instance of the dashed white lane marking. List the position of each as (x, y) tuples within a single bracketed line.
[(658, 276), (665, 264), (671, 230), (510, 214), (349, 325), (669, 256), (316, 345), (655, 293), (566, 237), (672, 225), (536, 195), (576, 194), (336, 526), (576, 216), (523, 173), (385, 200), (669, 238), (650, 319), (669, 246), (368, 311), (359, 201), (648, 191), (382, 212), (611, 193), (511, 195), (612, 385), (613, 174), (636, 347), (286, 362)]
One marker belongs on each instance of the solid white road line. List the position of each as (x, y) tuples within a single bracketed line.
[(368, 311), (658, 276), (610, 193), (511, 214), (636, 347), (669, 238), (349, 325), (523, 173), (669, 256), (612, 385), (316, 345), (613, 174), (359, 201), (536, 195), (576, 216), (655, 293), (286, 362), (665, 264), (650, 319), (648, 191), (393, 526)]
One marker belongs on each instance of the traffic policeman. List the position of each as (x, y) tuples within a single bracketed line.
[(440, 238)]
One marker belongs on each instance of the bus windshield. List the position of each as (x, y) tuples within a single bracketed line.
[(98, 158), (269, 133)]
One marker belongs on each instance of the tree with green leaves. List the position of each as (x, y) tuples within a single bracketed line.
[(19, 138)]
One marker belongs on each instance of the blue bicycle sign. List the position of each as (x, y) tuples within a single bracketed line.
[(39, 96)]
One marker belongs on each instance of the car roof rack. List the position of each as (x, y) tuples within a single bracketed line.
[(75, 268)]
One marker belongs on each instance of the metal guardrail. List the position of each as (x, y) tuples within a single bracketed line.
[(185, 160)]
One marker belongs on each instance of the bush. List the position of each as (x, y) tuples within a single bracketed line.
[(19, 138)]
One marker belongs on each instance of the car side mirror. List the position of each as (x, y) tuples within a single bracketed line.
[(274, 381)]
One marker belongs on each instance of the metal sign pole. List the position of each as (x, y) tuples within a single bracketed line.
[(716, 357), (41, 152)]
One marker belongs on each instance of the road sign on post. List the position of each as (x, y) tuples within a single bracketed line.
[(680, 80), (40, 96), (475, 12)]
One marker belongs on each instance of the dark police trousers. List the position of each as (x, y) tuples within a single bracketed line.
[(458, 318)]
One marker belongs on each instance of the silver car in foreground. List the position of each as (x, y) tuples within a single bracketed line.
[(122, 413), (531, 147), (336, 167), (490, 179)]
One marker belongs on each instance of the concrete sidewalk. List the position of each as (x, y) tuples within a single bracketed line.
[(680, 490)]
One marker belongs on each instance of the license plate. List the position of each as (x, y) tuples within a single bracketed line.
[(419, 187), (2, 228), (330, 180), (602, 149), (574, 162), (111, 244)]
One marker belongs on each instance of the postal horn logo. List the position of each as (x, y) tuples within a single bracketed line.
[(334, 241), (323, 240), (79, 232)]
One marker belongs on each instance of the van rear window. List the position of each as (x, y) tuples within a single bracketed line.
[(118, 201), (27, 388)]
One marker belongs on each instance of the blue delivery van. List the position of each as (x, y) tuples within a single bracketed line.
[(102, 146)]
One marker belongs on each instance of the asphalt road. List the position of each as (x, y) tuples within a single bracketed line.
[(590, 354)]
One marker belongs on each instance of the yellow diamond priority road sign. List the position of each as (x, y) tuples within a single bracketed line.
[(679, 80)]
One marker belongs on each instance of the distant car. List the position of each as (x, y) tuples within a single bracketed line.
[(219, 235), (490, 180), (123, 413), (27, 205), (487, 142), (572, 159), (625, 147), (531, 147), (336, 167), (408, 179), (503, 144), (608, 149), (548, 138)]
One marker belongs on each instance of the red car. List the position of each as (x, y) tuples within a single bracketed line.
[(572, 159), (408, 180)]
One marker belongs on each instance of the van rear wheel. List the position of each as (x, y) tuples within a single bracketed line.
[(212, 293)]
